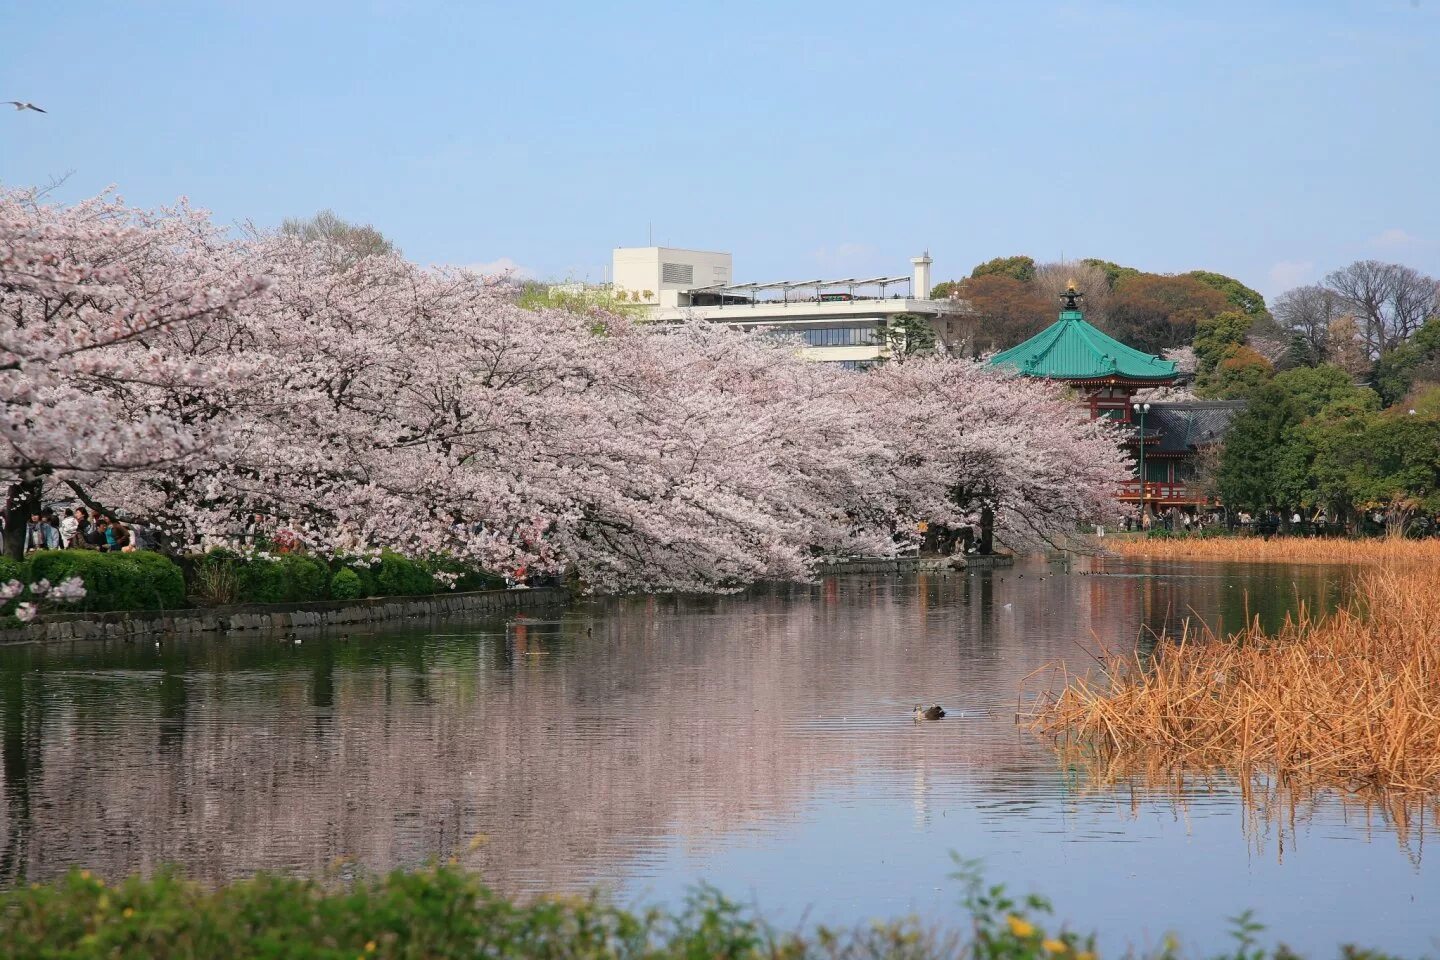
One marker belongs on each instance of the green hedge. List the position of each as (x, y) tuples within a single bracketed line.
[(113, 581), (145, 580), (395, 575), (224, 576), (10, 570)]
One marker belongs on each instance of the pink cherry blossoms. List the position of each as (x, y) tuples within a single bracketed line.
[(155, 365)]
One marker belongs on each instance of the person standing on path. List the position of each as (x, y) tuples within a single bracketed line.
[(35, 533), (69, 529)]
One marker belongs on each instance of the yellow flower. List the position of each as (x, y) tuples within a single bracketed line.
[(369, 946), (1052, 945), (1020, 927), (128, 912), (84, 874)]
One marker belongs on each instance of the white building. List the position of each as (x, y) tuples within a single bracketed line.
[(845, 320)]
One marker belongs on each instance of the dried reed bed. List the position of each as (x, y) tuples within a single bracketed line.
[(1275, 808), (1279, 549), (1351, 699)]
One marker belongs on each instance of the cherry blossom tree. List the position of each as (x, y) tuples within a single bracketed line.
[(194, 380), (82, 291), (980, 448)]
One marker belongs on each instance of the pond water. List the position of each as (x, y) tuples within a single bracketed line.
[(760, 742)]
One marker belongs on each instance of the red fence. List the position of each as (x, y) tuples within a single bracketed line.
[(1159, 492)]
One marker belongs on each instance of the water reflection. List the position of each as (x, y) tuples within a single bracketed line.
[(763, 741), (1276, 814)]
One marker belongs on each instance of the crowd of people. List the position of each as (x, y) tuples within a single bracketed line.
[(79, 529), (1293, 522)]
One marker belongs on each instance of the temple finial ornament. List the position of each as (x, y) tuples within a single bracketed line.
[(1071, 296)]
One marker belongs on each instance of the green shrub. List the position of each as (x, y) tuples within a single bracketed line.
[(441, 912), (345, 584), (445, 912), (399, 576), (11, 570), (213, 583), (291, 578), (113, 581), (223, 576), (396, 575)]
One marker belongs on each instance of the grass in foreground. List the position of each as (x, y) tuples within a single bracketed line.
[(446, 913), (1349, 700), (1278, 549)]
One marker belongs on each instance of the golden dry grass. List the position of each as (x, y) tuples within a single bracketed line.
[(1351, 699), (1275, 810), (1279, 549)]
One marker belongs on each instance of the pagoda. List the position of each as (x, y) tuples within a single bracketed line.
[(1104, 370), (1165, 438)]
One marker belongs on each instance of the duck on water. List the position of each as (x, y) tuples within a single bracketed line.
[(929, 713)]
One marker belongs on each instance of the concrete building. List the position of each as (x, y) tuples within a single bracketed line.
[(849, 320)]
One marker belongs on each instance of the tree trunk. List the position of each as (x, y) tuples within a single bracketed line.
[(22, 499), (987, 530)]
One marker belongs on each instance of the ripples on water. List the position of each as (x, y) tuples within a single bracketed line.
[(762, 742)]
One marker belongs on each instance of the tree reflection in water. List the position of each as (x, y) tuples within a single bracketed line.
[(580, 745)]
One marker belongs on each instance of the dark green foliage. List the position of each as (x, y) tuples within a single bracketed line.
[(1241, 297), (1270, 451), (1216, 337), (11, 570), (907, 335), (145, 580), (113, 581), (1114, 273), (284, 578), (1239, 376), (1418, 361), (395, 575), (399, 576), (1022, 268), (345, 584)]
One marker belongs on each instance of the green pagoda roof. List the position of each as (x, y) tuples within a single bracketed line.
[(1072, 349)]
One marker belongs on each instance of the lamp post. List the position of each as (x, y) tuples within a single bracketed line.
[(1142, 409)]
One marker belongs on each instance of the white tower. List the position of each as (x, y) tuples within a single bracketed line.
[(920, 286)]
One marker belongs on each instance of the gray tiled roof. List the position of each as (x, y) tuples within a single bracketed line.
[(1190, 424)]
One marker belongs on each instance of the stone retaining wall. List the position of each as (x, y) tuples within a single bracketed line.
[(908, 564), (276, 616)]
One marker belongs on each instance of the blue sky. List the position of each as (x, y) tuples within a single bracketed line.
[(1269, 140)]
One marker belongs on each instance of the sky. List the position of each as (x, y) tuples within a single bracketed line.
[(1272, 141)]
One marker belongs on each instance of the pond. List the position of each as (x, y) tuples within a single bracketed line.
[(761, 742)]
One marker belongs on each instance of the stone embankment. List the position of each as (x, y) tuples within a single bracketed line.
[(908, 564), (122, 624)]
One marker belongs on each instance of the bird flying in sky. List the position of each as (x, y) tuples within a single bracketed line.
[(22, 105)]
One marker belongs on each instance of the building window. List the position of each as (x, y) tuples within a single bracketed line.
[(1157, 471), (854, 364), (677, 273), (841, 337)]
